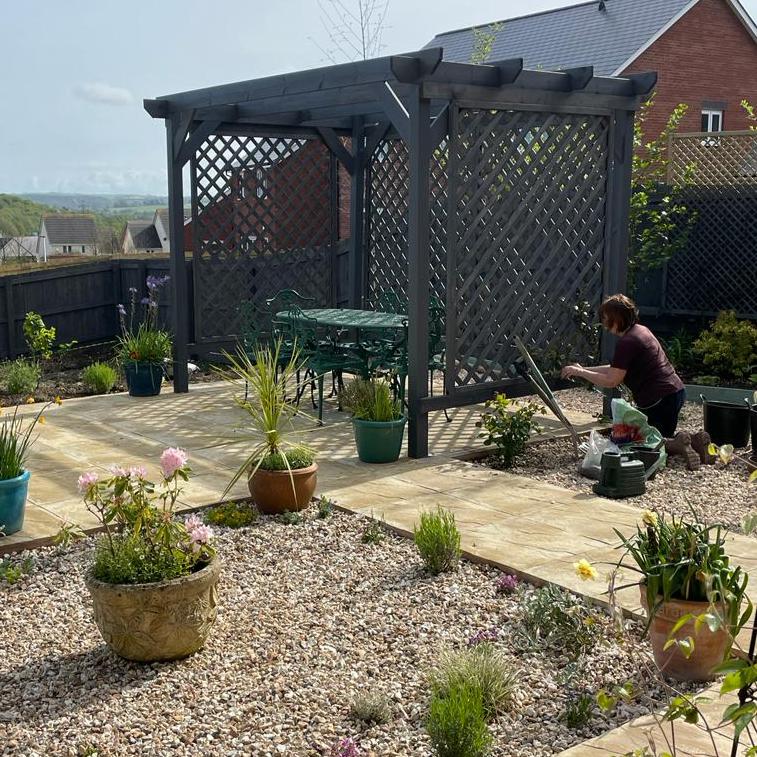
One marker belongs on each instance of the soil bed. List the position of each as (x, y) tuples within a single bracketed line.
[(309, 616), (716, 493)]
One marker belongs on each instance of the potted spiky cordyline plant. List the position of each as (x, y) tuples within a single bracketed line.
[(281, 474)]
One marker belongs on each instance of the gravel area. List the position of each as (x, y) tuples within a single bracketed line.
[(309, 616), (717, 493)]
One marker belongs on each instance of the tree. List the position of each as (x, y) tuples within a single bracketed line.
[(353, 29), (484, 38)]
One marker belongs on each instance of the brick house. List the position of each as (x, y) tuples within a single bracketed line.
[(704, 51)]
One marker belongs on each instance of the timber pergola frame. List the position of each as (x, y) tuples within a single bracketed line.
[(411, 96)]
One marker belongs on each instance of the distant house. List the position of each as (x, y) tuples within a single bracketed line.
[(70, 234), (704, 51), (141, 237)]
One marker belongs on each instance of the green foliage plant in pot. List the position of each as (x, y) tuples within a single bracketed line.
[(154, 578), (377, 419), (143, 348), (281, 474), (692, 594), (16, 438)]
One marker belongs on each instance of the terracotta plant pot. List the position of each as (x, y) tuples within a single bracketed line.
[(156, 622), (709, 646), (272, 490)]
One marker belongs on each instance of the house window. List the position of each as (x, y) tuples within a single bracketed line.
[(82, 250), (712, 120)]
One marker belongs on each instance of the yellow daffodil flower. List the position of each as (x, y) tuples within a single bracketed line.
[(585, 570)]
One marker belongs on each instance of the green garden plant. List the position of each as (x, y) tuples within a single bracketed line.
[(325, 507), (21, 376), (16, 438), (483, 667), (99, 378), (456, 723), (578, 712), (729, 347), (370, 708), (232, 515), (39, 338), (12, 572), (290, 519), (438, 541), (507, 425), (141, 339), (374, 531), (370, 400)]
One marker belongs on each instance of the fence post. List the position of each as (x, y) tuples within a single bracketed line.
[(11, 316)]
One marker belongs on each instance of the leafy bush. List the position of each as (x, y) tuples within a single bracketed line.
[(456, 723), (297, 457), (39, 337), (578, 712), (729, 346), (232, 515), (99, 378), (555, 618), (374, 531), (483, 667), (370, 400), (21, 376), (371, 709), (325, 507), (127, 560), (508, 429), (438, 541)]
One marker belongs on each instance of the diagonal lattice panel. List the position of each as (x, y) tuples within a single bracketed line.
[(716, 269), (529, 192), (261, 222)]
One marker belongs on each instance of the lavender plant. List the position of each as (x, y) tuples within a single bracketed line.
[(141, 339)]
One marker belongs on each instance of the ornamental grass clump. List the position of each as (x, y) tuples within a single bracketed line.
[(16, 440), (438, 541), (456, 722), (141, 340), (370, 400), (99, 378), (143, 542)]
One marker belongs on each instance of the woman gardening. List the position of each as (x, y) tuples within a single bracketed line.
[(640, 363)]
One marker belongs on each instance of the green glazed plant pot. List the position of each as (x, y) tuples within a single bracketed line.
[(166, 620), (143, 379), (13, 493), (379, 441)]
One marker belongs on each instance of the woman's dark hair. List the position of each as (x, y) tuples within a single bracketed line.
[(619, 312)]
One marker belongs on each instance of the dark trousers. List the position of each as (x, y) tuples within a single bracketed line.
[(664, 415)]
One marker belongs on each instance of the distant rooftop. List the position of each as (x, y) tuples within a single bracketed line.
[(143, 235), (70, 229)]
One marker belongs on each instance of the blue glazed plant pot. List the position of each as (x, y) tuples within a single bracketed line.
[(143, 379), (13, 493)]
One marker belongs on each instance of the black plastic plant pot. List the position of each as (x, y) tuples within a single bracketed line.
[(143, 379), (726, 423), (379, 441)]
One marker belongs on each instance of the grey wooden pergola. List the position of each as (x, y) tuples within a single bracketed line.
[(499, 192)]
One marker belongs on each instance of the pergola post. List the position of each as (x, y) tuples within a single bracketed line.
[(615, 263), (419, 154), (179, 303), (357, 202)]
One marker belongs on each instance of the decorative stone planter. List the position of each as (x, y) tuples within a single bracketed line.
[(13, 493), (156, 622), (709, 646), (273, 493), (143, 379)]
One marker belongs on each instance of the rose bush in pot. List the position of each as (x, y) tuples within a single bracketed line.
[(153, 582)]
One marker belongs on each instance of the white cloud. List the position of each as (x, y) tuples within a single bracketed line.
[(103, 94)]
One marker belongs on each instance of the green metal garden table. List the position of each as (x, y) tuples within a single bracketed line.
[(347, 318)]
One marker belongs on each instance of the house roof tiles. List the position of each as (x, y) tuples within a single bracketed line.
[(143, 235), (70, 229)]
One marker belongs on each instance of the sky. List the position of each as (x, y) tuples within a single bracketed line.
[(74, 73)]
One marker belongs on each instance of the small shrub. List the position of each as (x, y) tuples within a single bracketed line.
[(483, 667), (232, 515), (438, 541), (555, 618), (39, 337), (508, 425), (21, 376), (507, 584), (325, 507), (99, 378), (131, 562), (374, 531), (578, 712), (291, 518), (297, 457), (371, 709), (456, 723), (11, 572), (729, 346)]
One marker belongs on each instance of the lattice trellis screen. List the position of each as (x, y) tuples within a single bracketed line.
[(261, 222), (529, 197), (718, 269), (387, 264)]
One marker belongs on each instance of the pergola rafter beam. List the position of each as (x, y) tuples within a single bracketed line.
[(395, 109)]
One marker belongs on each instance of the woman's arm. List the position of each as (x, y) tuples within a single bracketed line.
[(604, 376)]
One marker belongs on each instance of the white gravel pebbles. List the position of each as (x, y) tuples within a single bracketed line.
[(309, 616)]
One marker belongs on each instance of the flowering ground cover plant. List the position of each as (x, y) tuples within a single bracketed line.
[(143, 542), (141, 340)]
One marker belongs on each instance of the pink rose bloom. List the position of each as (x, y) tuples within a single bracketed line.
[(137, 471), (172, 460), (87, 481)]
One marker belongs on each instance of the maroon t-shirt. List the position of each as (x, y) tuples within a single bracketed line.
[(649, 374)]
